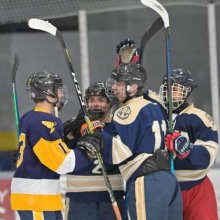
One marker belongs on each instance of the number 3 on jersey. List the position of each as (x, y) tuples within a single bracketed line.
[(21, 149)]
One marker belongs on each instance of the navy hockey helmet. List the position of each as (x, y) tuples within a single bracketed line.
[(182, 85), (39, 83)]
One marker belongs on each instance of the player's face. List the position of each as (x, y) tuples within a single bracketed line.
[(98, 102), (178, 92), (119, 90)]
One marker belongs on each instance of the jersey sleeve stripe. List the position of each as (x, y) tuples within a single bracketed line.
[(50, 153)]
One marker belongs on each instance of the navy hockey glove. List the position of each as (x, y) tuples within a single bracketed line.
[(127, 52), (178, 144), (91, 144)]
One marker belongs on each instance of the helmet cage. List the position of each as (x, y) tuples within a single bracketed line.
[(179, 94)]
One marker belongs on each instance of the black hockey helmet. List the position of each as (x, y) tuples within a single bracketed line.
[(130, 74), (181, 81), (96, 112), (40, 82), (95, 89)]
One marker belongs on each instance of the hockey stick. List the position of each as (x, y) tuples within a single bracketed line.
[(155, 27), (51, 29), (14, 91), (157, 7)]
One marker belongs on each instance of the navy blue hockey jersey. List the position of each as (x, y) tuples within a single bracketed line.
[(198, 127), (43, 156), (140, 128), (89, 185)]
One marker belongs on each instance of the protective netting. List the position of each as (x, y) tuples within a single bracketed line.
[(15, 11)]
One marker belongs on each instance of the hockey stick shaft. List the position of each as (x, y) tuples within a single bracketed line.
[(157, 7), (14, 91), (155, 27), (49, 28)]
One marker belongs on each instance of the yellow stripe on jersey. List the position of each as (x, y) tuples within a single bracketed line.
[(140, 199), (51, 153), (36, 202), (38, 215)]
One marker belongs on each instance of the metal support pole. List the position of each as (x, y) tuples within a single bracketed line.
[(84, 52), (213, 62)]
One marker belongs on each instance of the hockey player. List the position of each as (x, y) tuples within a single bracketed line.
[(43, 156), (87, 196), (194, 142), (138, 147)]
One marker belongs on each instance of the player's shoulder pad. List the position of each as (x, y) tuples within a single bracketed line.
[(204, 116), (128, 113), (153, 95)]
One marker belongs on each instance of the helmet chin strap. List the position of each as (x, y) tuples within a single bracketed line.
[(55, 103)]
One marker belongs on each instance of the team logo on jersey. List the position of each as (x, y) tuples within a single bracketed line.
[(124, 112), (50, 124)]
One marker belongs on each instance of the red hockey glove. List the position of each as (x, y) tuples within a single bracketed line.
[(178, 144), (127, 52)]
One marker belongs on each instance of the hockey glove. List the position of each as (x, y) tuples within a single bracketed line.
[(96, 125), (178, 144), (91, 144), (127, 52)]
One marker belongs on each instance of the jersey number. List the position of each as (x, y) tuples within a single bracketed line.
[(22, 145), (159, 131), (97, 168)]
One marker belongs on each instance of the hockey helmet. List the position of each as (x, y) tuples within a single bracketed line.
[(182, 85), (129, 74), (42, 84), (96, 110)]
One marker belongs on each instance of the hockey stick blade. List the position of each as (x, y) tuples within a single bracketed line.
[(14, 68), (155, 27), (42, 25), (156, 6)]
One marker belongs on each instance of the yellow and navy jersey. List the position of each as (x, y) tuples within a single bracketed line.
[(88, 185), (43, 156), (140, 128), (198, 127)]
